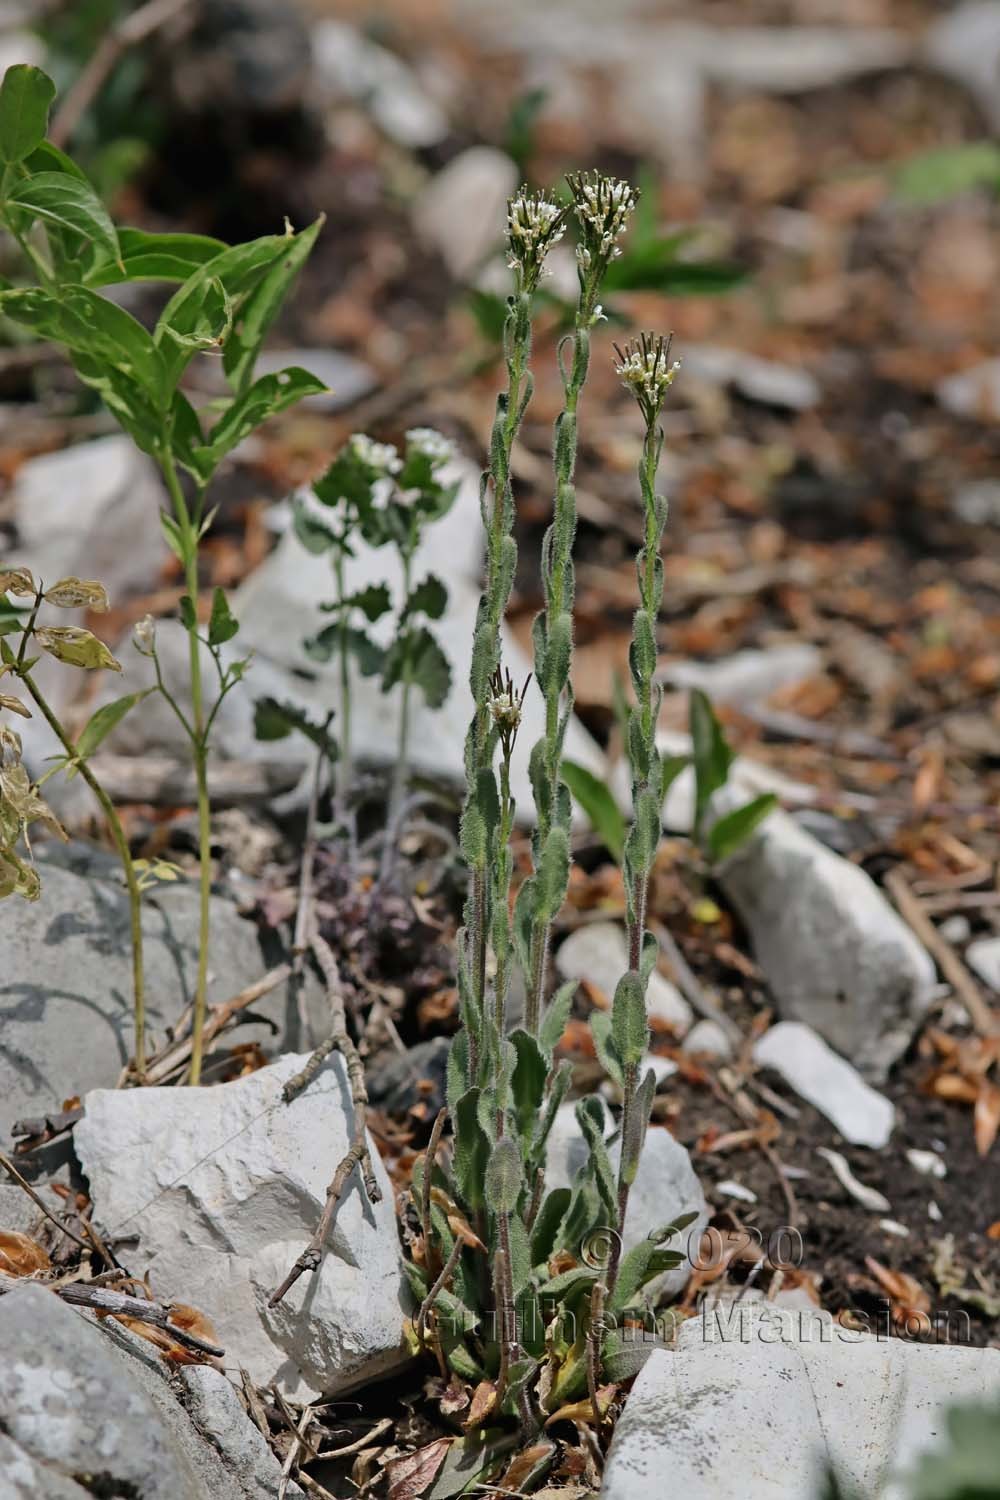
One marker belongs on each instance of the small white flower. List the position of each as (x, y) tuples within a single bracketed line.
[(646, 370), (382, 457), (534, 225), (603, 207), (432, 444), (144, 635)]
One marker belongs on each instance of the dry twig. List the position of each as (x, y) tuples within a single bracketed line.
[(176, 1055), (358, 1154), (12, 1171), (912, 911), (102, 1299)]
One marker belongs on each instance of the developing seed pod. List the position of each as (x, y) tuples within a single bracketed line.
[(504, 1176)]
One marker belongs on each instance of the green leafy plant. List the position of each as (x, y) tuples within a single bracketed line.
[(934, 176), (509, 1299), (372, 493), (226, 301)]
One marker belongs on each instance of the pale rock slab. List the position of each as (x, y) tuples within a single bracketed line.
[(462, 211), (748, 677), (835, 953), (66, 1022), (775, 1396), (224, 1187), (965, 44), (598, 952), (665, 1187), (762, 380), (973, 393), (863, 1116), (983, 957)]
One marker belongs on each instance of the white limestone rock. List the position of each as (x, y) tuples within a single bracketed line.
[(598, 952), (863, 1116), (836, 955), (462, 211), (775, 1396), (224, 1187)]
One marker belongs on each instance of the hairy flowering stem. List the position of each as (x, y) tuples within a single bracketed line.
[(534, 224), (603, 207), (646, 370)]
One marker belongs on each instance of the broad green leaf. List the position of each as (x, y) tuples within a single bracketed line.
[(726, 836), (59, 199), (430, 598), (275, 721), (222, 624), (267, 397), (48, 158), (156, 257), (262, 306), (368, 654), (656, 265), (416, 657), (373, 601), (101, 723), (78, 648), (100, 336), (196, 307), (568, 1281), (25, 97), (712, 756), (595, 798), (639, 1264), (948, 171)]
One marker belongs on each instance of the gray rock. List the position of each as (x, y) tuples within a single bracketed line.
[(863, 1116), (973, 393), (762, 380), (983, 957), (69, 1403), (748, 677), (66, 986), (462, 210), (216, 1411), (978, 503), (965, 44), (665, 1187), (708, 1037), (224, 1187), (835, 953), (351, 66), (110, 531), (710, 1409), (598, 952)]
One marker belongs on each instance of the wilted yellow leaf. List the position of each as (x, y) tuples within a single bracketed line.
[(17, 581), (78, 648), (79, 593)]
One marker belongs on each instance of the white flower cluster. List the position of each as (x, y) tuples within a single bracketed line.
[(647, 371), (534, 225), (432, 444), (603, 206), (382, 457)]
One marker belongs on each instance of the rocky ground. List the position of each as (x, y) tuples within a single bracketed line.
[(825, 1016)]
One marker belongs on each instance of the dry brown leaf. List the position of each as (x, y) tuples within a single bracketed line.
[(993, 1232), (524, 1465), (909, 1302), (20, 1255), (986, 1118), (484, 1399), (409, 1477)]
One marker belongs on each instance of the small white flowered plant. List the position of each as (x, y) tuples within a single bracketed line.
[(434, 446), (383, 458), (603, 208), (647, 371), (534, 224)]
